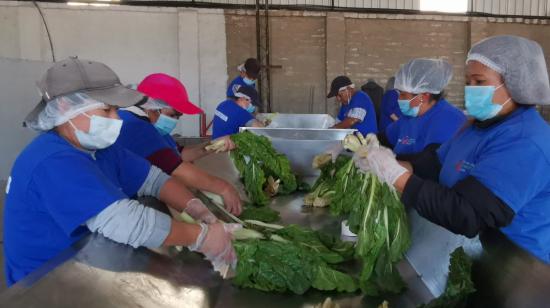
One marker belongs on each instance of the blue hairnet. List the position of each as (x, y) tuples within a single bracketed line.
[(424, 76), (521, 64)]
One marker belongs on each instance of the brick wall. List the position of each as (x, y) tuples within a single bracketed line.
[(315, 47), (377, 48)]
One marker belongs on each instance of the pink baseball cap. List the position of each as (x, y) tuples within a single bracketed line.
[(169, 90)]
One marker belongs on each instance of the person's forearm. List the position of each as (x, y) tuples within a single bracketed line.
[(194, 177), (347, 123), (175, 194), (401, 181), (407, 165), (194, 152), (182, 234), (466, 208)]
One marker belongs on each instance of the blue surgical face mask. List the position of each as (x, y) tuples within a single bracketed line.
[(479, 102), (103, 132), (251, 108), (165, 124), (249, 82), (405, 107)]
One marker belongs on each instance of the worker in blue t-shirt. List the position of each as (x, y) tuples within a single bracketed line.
[(428, 119), (494, 174), (236, 112), (72, 179), (357, 110), (248, 74), (389, 108), (146, 132)]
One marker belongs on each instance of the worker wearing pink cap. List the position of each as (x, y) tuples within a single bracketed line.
[(146, 132)]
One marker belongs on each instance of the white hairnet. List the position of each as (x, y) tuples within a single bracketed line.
[(424, 76), (521, 64), (62, 109), (154, 104)]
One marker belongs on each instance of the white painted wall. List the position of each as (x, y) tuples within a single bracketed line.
[(133, 41)]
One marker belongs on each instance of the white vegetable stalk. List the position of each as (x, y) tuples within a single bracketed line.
[(217, 146)]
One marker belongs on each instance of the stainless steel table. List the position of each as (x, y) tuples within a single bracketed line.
[(97, 272), (100, 273)]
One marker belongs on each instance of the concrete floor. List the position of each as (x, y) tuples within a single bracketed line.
[(2, 197)]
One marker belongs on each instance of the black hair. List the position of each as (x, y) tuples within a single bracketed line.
[(439, 96)]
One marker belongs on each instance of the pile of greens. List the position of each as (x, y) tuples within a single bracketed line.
[(293, 259), (376, 215), (264, 171), (459, 284)]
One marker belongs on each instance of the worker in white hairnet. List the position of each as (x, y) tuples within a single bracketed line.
[(493, 174), (428, 119), (71, 179)]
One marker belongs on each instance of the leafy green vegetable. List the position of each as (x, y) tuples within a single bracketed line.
[(294, 259), (323, 189), (256, 160), (459, 283), (379, 219), (265, 214), (317, 243)]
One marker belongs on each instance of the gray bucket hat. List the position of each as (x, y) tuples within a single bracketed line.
[(95, 79)]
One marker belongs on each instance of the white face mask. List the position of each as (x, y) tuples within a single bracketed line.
[(103, 132)]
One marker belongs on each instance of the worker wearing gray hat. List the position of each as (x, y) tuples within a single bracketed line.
[(71, 179), (494, 173)]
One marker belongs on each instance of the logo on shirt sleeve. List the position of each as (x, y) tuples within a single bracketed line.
[(406, 140), (8, 185), (464, 166), (220, 115)]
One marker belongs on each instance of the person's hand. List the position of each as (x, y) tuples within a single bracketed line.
[(229, 144), (332, 153), (196, 209), (380, 161), (214, 242), (222, 144), (231, 200)]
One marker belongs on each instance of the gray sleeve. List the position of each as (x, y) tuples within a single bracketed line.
[(357, 113), (130, 222), (250, 123), (153, 183)]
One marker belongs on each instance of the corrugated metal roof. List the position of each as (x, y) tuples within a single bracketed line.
[(533, 8)]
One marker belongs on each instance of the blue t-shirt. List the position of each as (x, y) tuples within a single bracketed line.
[(360, 107), (512, 159), (410, 135), (388, 107), (140, 136), (53, 189), (228, 118), (237, 81)]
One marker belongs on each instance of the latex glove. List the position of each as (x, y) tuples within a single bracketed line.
[(214, 242), (371, 140), (229, 144), (380, 161), (196, 209), (222, 144), (232, 200)]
